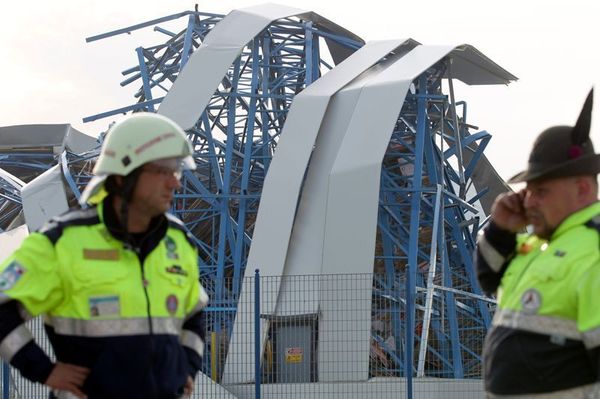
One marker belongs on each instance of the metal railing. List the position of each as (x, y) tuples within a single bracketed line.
[(324, 336)]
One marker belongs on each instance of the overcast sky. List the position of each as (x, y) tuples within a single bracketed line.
[(50, 75)]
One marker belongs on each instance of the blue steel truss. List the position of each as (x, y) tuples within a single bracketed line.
[(427, 194), (26, 165), (159, 65), (234, 138), (427, 225), (10, 203)]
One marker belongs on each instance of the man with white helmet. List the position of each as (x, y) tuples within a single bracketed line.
[(117, 282)]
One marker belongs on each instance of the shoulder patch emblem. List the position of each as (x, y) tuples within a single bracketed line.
[(9, 277)]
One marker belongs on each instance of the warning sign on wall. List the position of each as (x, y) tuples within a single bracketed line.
[(293, 355)]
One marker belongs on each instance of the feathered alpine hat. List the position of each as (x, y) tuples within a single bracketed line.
[(563, 151)]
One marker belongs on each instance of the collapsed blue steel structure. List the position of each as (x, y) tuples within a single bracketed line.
[(428, 215)]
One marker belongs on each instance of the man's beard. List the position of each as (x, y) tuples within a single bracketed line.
[(543, 230)]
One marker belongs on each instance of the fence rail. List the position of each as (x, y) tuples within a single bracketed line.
[(325, 336)]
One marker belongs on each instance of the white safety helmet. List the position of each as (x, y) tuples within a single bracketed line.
[(130, 143)]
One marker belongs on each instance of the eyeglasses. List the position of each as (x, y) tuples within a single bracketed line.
[(163, 171)]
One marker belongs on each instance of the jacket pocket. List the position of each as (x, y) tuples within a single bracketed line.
[(550, 268), (100, 268)]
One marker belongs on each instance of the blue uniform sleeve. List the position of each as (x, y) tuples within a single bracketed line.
[(18, 347), (195, 325), (588, 316)]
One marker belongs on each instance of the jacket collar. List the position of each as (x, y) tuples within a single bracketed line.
[(576, 219), (144, 242)]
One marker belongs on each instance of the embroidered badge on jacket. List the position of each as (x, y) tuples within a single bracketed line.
[(171, 248), (172, 304), (176, 269), (531, 301)]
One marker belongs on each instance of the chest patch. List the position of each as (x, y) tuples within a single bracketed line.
[(531, 301), (100, 254), (176, 269)]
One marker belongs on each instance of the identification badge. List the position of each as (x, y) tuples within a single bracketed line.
[(11, 275), (104, 306)]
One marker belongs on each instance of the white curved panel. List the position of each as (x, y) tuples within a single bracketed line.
[(11, 240), (282, 184), (280, 195), (44, 197), (305, 252), (350, 236), (79, 142), (473, 67), (57, 136), (196, 83), (205, 69)]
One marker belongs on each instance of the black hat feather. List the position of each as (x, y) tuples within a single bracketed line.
[(581, 131)]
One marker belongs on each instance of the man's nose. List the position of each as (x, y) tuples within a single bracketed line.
[(173, 182)]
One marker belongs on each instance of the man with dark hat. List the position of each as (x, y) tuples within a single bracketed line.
[(544, 341)]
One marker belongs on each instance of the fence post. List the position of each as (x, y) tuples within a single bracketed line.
[(5, 381), (256, 334)]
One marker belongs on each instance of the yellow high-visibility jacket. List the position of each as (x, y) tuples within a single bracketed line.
[(545, 335), (128, 310)]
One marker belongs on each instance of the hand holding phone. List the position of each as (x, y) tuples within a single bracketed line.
[(508, 211)]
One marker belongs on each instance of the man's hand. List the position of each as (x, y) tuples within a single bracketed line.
[(188, 388), (68, 377), (508, 212)]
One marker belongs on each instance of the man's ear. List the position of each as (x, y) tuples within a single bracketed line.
[(585, 187), (114, 184)]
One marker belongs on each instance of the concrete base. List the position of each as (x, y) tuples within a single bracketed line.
[(392, 388)]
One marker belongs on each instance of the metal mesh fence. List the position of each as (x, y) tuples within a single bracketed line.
[(327, 336)]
